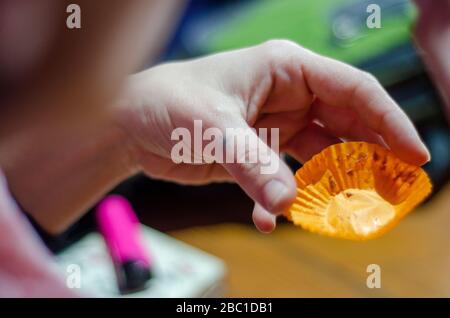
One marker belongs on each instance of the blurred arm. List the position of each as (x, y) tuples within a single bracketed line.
[(57, 171), (432, 35), (59, 148)]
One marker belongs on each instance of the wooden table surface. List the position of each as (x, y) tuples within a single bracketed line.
[(414, 258)]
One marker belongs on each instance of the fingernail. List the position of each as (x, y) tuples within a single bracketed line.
[(425, 154), (428, 154), (265, 228), (275, 196)]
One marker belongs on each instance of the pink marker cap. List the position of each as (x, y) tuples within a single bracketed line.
[(121, 230)]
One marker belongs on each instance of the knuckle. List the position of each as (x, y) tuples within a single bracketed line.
[(221, 112), (281, 43), (370, 79), (282, 54), (365, 84), (280, 48), (248, 170), (218, 110)]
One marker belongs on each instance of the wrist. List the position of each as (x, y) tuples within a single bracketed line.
[(140, 113), (123, 124)]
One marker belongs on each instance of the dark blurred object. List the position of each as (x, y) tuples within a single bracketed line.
[(166, 206), (198, 17), (431, 32), (437, 139)]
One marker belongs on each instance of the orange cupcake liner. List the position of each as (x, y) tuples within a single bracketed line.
[(356, 190)]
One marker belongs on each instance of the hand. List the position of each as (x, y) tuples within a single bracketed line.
[(313, 100)]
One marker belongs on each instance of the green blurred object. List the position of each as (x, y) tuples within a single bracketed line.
[(338, 29), (335, 28), (319, 26)]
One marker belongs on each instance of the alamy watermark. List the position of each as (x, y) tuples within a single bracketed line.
[(373, 21), (73, 20), (374, 278), (73, 278), (234, 145)]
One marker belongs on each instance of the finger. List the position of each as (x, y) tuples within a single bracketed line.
[(259, 171), (183, 173), (291, 123), (344, 123), (264, 221), (288, 92), (338, 84), (189, 174), (309, 142)]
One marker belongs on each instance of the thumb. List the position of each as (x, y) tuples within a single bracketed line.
[(258, 169)]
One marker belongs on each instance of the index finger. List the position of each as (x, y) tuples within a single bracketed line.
[(339, 84)]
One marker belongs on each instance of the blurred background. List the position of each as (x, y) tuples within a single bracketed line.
[(290, 262)]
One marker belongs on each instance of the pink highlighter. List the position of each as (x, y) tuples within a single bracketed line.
[(120, 228)]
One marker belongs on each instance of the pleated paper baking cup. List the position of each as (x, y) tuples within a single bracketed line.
[(356, 190)]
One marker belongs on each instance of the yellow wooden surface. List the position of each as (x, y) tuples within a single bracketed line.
[(414, 258)]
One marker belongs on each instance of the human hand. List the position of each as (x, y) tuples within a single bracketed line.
[(313, 100)]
